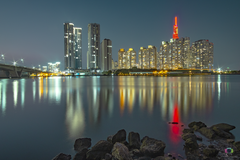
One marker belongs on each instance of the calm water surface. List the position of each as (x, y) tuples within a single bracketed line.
[(42, 117)]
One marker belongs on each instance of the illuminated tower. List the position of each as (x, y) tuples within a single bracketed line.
[(175, 29)]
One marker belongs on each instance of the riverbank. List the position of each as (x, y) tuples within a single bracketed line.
[(201, 143)]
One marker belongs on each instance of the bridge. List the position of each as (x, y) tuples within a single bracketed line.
[(13, 71)]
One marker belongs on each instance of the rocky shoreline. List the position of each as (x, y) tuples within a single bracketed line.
[(221, 146)]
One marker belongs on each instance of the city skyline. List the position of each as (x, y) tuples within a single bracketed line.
[(27, 36)]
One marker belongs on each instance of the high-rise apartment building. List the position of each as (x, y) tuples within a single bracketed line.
[(78, 47), (72, 47), (122, 59), (174, 54), (126, 60), (147, 57), (93, 54), (113, 66), (106, 55), (202, 55)]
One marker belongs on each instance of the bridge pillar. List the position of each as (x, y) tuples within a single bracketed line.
[(8, 74)]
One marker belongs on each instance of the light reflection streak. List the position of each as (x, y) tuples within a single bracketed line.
[(15, 92), (22, 92), (219, 87), (4, 97), (34, 89)]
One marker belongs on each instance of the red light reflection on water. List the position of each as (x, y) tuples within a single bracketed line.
[(175, 128)]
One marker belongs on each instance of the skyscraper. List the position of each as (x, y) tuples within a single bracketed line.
[(69, 60), (148, 57), (72, 47), (122, 59), (93, 54), (78, 47), (202, 54), (173, 54), (106, 55), (126, 60)]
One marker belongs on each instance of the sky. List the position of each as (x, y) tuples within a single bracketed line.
[(33, 30)]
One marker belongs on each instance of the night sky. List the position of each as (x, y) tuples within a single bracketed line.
[(33, 30)]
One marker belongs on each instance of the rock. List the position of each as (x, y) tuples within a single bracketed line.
[(144, 138), (62, 156), (186, 136), (210, 152), (121, 152), (185, 130), (207, 132), (237, 145), (144, 158), (162, 158), (221, 133), (210, 146), (109, 139), (169, 155), (198, 124), (108, 156), (199, 138), (134, 140), (99, 150), (136, 152), (82, 143), (191, 144), (152, 147), (125, 143), (119, 136), (224, 126), (81, 155), (230, 141)]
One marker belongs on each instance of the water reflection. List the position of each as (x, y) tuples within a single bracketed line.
[(22, 92), (15, 92)]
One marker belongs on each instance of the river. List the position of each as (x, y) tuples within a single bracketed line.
[(41, 117)]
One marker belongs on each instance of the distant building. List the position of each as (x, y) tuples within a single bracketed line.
[(106, 55), (122, 59), (202, 55), (93, 54), (126, 60), (147, 57), (72, 47), (54, 67), (174, 54), (113, 64), (44, 68)]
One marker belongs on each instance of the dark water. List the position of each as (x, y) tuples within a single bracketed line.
[(42, 117)]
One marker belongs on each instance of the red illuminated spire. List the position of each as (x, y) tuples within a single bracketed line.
[(175, 30)]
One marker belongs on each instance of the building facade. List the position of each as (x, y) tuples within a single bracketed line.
[(202, 55), (174, 54), (93, 54), (78, 47), (147, 57), (122, 58), (72, 47), (106, 55), (54, 67)]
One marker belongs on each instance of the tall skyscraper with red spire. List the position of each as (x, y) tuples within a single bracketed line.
[(175, 30)]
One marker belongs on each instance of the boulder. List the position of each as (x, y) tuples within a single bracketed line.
[(134, 140), (191, 144), (144, 139), (163, 158), (207, 132), (237, 145), (144, 158), (62, 156), (152, 147), (186, 136), (108, 156), (136, 152), (99, 150), (81, 155), (197, 125), (82, 143), (224, 126), (199, 138), (119, 136), (121, 152), (109, 139), (222, 133), (231, 141), (185, 130), (210, 152)]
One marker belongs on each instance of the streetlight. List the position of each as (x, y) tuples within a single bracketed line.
[(3, 58)]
